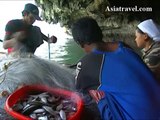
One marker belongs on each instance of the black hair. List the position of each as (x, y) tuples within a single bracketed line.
[(139, 30), (86, 31)]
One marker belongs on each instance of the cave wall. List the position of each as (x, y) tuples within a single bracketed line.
[(115, 25)]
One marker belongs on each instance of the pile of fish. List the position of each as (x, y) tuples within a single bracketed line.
[(46, 106)]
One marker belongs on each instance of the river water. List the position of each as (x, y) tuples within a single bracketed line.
[(65, 51)]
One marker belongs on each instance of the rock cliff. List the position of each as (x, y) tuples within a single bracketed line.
[(118, 19)]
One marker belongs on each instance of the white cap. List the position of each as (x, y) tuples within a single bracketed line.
[(149, 27)]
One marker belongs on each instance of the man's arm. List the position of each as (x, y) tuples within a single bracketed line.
[(9, 43), (12, 37), (11, 40), (45, 37)]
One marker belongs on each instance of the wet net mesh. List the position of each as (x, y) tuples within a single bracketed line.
[(24, 69), (19, 69)]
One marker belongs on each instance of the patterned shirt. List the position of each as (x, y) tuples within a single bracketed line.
[(152, 58)]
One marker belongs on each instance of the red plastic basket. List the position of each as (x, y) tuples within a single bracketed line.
[(24, 91)]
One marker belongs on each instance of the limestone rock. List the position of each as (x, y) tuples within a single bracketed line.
[(115, 24)]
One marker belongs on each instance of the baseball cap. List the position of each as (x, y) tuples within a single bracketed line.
[(32, 9)]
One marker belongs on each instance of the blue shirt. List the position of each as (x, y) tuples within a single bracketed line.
[(130, 89)]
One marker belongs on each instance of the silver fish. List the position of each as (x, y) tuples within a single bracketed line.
[(50, 110), (43, 118), (62, 115)]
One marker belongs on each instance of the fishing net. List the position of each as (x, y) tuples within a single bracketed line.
[(19, 69)]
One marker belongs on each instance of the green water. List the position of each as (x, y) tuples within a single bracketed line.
[(71, 53), (74, 53)]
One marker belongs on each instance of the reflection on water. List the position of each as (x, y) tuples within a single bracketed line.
[(73, 53), (66, 52)]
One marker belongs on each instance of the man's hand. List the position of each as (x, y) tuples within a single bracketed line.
[(52, 39), (96, 94), (19, 36)]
